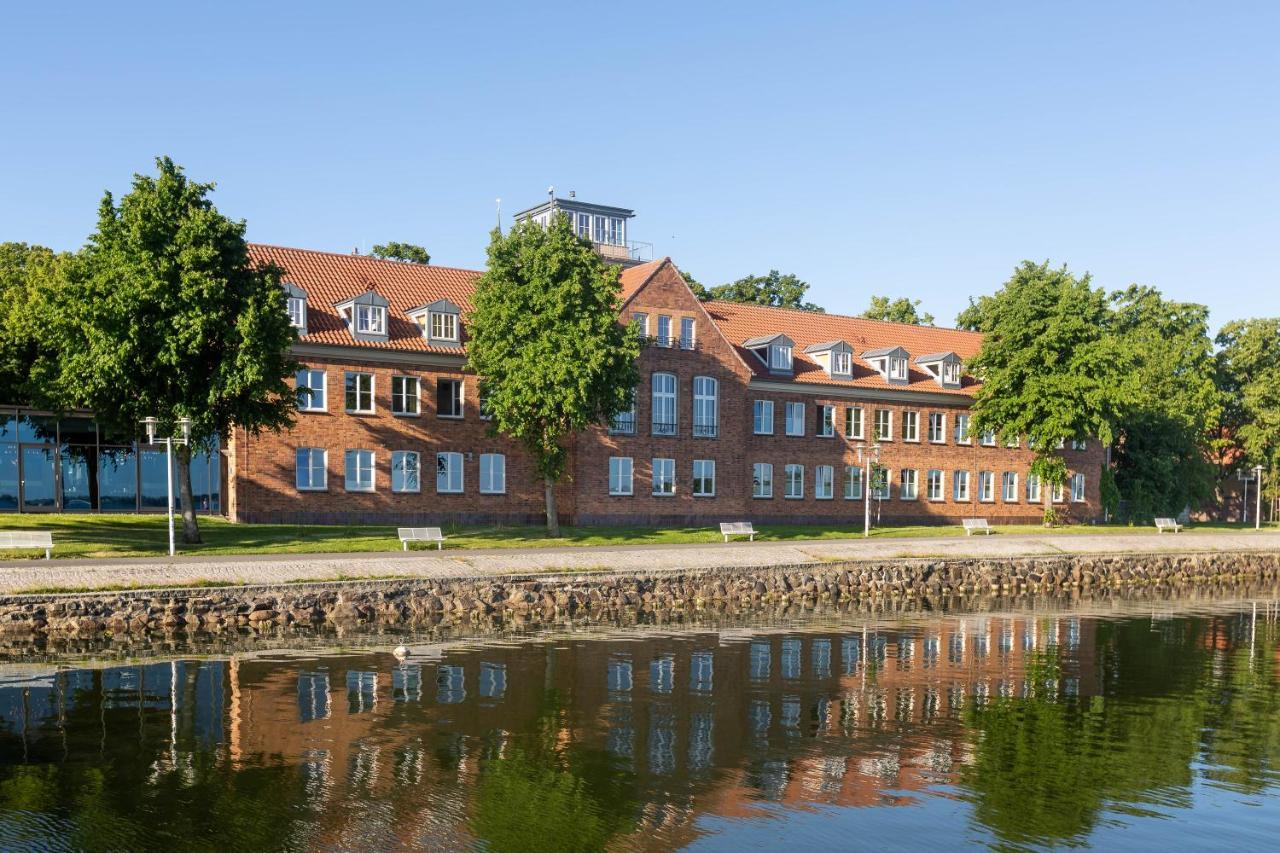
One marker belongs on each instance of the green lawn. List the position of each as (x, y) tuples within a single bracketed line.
[(146, 535)]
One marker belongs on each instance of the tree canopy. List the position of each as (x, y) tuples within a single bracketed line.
[(30, 293), (1248, 365), (166, 316), (407, 252), (546, 341), (900, 310), (775, 289)]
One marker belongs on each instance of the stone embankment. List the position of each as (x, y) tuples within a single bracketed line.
[(520, 602)]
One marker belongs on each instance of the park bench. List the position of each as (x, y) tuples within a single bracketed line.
[(28, 539), (972, 524), (1163, 524), (737, 528), (420, 534)]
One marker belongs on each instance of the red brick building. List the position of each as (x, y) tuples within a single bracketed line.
[(743, 412)]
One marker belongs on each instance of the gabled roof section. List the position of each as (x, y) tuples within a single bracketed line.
[(634, 278), (886, 352), (829, 346), (440, 306), (741, 322), (934, 357), (766, 340), (332, 279)]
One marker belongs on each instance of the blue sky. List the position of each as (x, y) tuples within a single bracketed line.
[(892, 148)]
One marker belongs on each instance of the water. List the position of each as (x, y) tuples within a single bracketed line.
[(1038, 728)]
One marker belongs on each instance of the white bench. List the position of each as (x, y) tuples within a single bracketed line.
[(972, 524), (737, 528), (420, 534), (1163, 524), (28, 539)]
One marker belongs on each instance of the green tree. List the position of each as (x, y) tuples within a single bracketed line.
[(1249, 377), (698, 288), (546, 340), (168, 317), (1050, 368), (31, 285), (775, 290), (1172, 403), (408, 252), (900, 310)]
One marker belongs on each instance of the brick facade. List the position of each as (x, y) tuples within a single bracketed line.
[(261, 470)]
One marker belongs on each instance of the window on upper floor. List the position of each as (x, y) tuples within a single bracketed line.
[(583, 226), (663, 403), (795, 418), (311, 390), (988, 438), (826, 421), (762, 417), (779, 357), (910, 426), (664, 331), (854, 426), (962, 430), (641, 321), (449, 398), (404, 395), (706, 406), (841, 363), (371, 319), (884, 425), (937, 427), (624, 423), (951, 373), (359, 392), (444, 326), (1079, 444), (687, 340), (897, 368), (297, 308)]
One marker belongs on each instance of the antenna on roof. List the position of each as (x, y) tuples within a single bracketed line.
[(498, 202)]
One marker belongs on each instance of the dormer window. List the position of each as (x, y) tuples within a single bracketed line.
[(951, 373), (371, 319), (440, 322), (444, 326), (841, 363), (365, 316), (890, 363), (774, 352), (296, 306), (897, 368), (945, 367), (779, 357), (835, 357)]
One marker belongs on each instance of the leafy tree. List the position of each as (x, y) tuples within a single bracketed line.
[(699, 290), (900, 310), (1249, 376), (1172, 403), (169, 318), (31, 280), (1049, 367), (775, 290), (407, 252), (546, 340)]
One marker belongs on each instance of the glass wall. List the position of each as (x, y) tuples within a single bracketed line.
[(72, 464)]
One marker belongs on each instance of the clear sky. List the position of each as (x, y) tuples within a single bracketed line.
[(892, 148)]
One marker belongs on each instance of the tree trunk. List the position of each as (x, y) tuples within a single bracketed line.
[(553, 521), (190, 529)]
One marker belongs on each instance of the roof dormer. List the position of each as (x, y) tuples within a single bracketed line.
[(835, 357), (945, 367), (890, 363), (440, 321), (774, 351), (365, 316), (295, 300)]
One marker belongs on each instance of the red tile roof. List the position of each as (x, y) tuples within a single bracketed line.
[(633, 278), (741, 322), (330, 278)]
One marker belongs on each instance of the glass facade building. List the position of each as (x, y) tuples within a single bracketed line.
[(74, 464)]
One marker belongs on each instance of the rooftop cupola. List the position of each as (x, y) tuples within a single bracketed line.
[(605, 226)]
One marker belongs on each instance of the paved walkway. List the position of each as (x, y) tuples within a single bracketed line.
[(18, 576)]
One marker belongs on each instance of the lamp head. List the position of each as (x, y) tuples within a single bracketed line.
[(149, 424)]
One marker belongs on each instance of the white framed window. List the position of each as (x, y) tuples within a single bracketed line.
[(620, 475), (908, 484), (962, 430), (1057, 493), (687, 339), (934, 485), (444, 325), (960, 486), (951, 373), (449, 398), (793, 482), (297, 308), (795, 418), (910, 426), (762, 417), (448, 473), (852, 483), (1009, 487), (897, 368), (706, 407), (937, 428), (826, 421), (986, 486), (779, 357), (1079, 444), (1033, 489), (880, 484), (311, 469), (841, 363), (311, 390), (884, 425), (359, 470), (641, 320), (663, 387), (824, 482), (854, 422), (664, 330), (583, 228), (482, 404), (371, 319), (624, 423), (664, 477), (359, 388), (493, 474), (406, 471), (404, 395), (1077, 488), (988, 438), (704, 478), (762, 480)]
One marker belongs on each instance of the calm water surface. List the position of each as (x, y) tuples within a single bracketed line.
[(1032, 729)]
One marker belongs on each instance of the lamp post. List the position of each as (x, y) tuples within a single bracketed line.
[(865, 459), (1257, 488), (185, 425)]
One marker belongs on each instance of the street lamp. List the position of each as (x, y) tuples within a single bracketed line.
[(184, 424), (866, 460), (1257, 488)]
